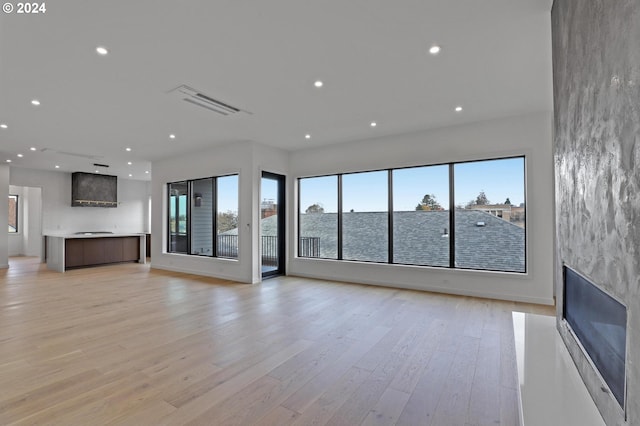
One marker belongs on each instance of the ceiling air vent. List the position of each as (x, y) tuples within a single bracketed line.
[(193, 96), (72, 154)]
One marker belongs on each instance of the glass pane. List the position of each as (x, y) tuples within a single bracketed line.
[(421, 216), (319, 217), (269, 224), (202, 217), (178, 217), (365, 217), (13, 213), (490, 215), (227, 216)]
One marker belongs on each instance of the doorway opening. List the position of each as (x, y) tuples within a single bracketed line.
[(272, 224)]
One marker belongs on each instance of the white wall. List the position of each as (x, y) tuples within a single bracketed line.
[(4, 216), (524, 135), (32, 243), (247, 159), (28, 240), (16, 241), (59, 217)]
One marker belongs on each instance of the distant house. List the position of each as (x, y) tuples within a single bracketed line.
[(508, 212), (268, 208)]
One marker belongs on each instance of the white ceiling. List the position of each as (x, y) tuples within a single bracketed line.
[(263, 57)]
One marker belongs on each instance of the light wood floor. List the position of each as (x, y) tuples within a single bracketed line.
[(128, 345)]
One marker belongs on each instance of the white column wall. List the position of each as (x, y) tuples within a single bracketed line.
[(4, 216), (32, 241), (16, 240)]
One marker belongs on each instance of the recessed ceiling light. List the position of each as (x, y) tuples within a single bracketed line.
[(128, 149), (458, 108), (434, 50), (307, 136), (172, 136), (8, 161), (33, 148), (56, 166), (373, 124), (318, 83), (146, 171), (20, 155), (129, 163), (102, 50), (97, 171), (35, 102), (4, 126), (130, 175)]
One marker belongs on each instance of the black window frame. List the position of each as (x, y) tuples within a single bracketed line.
[(452, 211), (389, 219), (214, 217), (177, 225)]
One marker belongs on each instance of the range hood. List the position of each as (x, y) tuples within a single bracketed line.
[(93, 190)]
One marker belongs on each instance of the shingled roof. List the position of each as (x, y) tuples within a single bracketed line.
[(420, 238)]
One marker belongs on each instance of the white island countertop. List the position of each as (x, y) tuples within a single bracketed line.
[(94, 234)]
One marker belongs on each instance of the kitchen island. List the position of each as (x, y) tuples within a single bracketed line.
[(65, 251)]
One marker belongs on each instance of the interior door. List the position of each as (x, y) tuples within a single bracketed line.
[(272, 224)]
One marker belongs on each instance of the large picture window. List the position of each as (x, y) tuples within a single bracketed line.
[(203, 217), (178, 217), (227, 216), (365, 216), (13, 214), (467, 215), (489, 215), (421, 216), (318, 230)]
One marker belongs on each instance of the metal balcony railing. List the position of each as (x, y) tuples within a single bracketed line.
[(309, 247)]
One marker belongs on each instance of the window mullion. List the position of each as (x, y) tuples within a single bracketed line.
[(390, 216), (214, 214), (452, 218), (340, 217)]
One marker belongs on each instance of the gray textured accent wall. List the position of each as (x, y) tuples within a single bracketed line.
[(596, 62)]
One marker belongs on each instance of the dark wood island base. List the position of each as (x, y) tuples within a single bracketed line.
[(93, 249), (99, 251)]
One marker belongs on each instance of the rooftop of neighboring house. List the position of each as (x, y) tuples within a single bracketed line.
[(483, 241)]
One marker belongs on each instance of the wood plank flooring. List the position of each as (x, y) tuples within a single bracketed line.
[(126, 345)]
